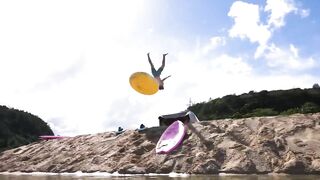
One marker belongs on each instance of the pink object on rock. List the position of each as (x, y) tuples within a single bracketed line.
[(48, 137), (171, 138)]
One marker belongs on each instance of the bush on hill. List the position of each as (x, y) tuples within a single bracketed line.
[(263, 103), (19, 128)]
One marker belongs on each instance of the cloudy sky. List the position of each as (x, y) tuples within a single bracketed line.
[(69, 62)]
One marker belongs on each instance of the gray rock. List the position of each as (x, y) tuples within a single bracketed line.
[(280, 144)]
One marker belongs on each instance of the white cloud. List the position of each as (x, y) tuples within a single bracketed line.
[(215, 42), (247, 23), (260, 50), (287, 59), (228, 65), (294, 51), (201, 76), (278, 9), (304, 13)]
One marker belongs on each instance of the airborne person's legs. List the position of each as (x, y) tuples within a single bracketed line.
[(153, 70)]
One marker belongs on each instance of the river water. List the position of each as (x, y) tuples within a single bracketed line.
[(153, 177)]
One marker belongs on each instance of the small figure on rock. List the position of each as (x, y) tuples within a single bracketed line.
[(120, 130)]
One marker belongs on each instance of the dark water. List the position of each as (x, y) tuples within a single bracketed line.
[(208, 177)]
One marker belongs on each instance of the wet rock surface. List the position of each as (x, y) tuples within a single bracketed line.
[(281, 144)]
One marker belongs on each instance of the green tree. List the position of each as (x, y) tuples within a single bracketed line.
[(316, 86), (310, 107), (263, 103), (19, 128)]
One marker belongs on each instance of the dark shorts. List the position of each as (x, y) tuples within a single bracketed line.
[(156, 73)]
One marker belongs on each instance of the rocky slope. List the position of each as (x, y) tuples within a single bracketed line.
[(279, 144)]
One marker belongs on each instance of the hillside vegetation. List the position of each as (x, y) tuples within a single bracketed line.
[(19, 128), (263, 103)]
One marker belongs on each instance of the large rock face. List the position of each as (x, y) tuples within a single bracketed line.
[(282, 144)]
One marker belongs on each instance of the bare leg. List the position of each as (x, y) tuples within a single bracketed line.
[(164, 60), (163, 63), (149, 59), (153, 70)]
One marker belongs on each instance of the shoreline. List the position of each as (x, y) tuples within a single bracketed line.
[(116, 174)]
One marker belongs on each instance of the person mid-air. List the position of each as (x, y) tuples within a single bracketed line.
[(156, 73)]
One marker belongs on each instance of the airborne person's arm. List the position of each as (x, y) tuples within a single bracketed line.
[(166, 78)]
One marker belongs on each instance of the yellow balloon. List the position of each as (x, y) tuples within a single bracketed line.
[(144, 83)]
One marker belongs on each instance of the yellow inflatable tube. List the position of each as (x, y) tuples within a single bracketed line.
[(144, 83)]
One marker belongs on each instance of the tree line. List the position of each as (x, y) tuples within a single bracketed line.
[(263, 103), (19, 128)]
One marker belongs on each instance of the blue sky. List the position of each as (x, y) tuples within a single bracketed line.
[(69, 61)]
